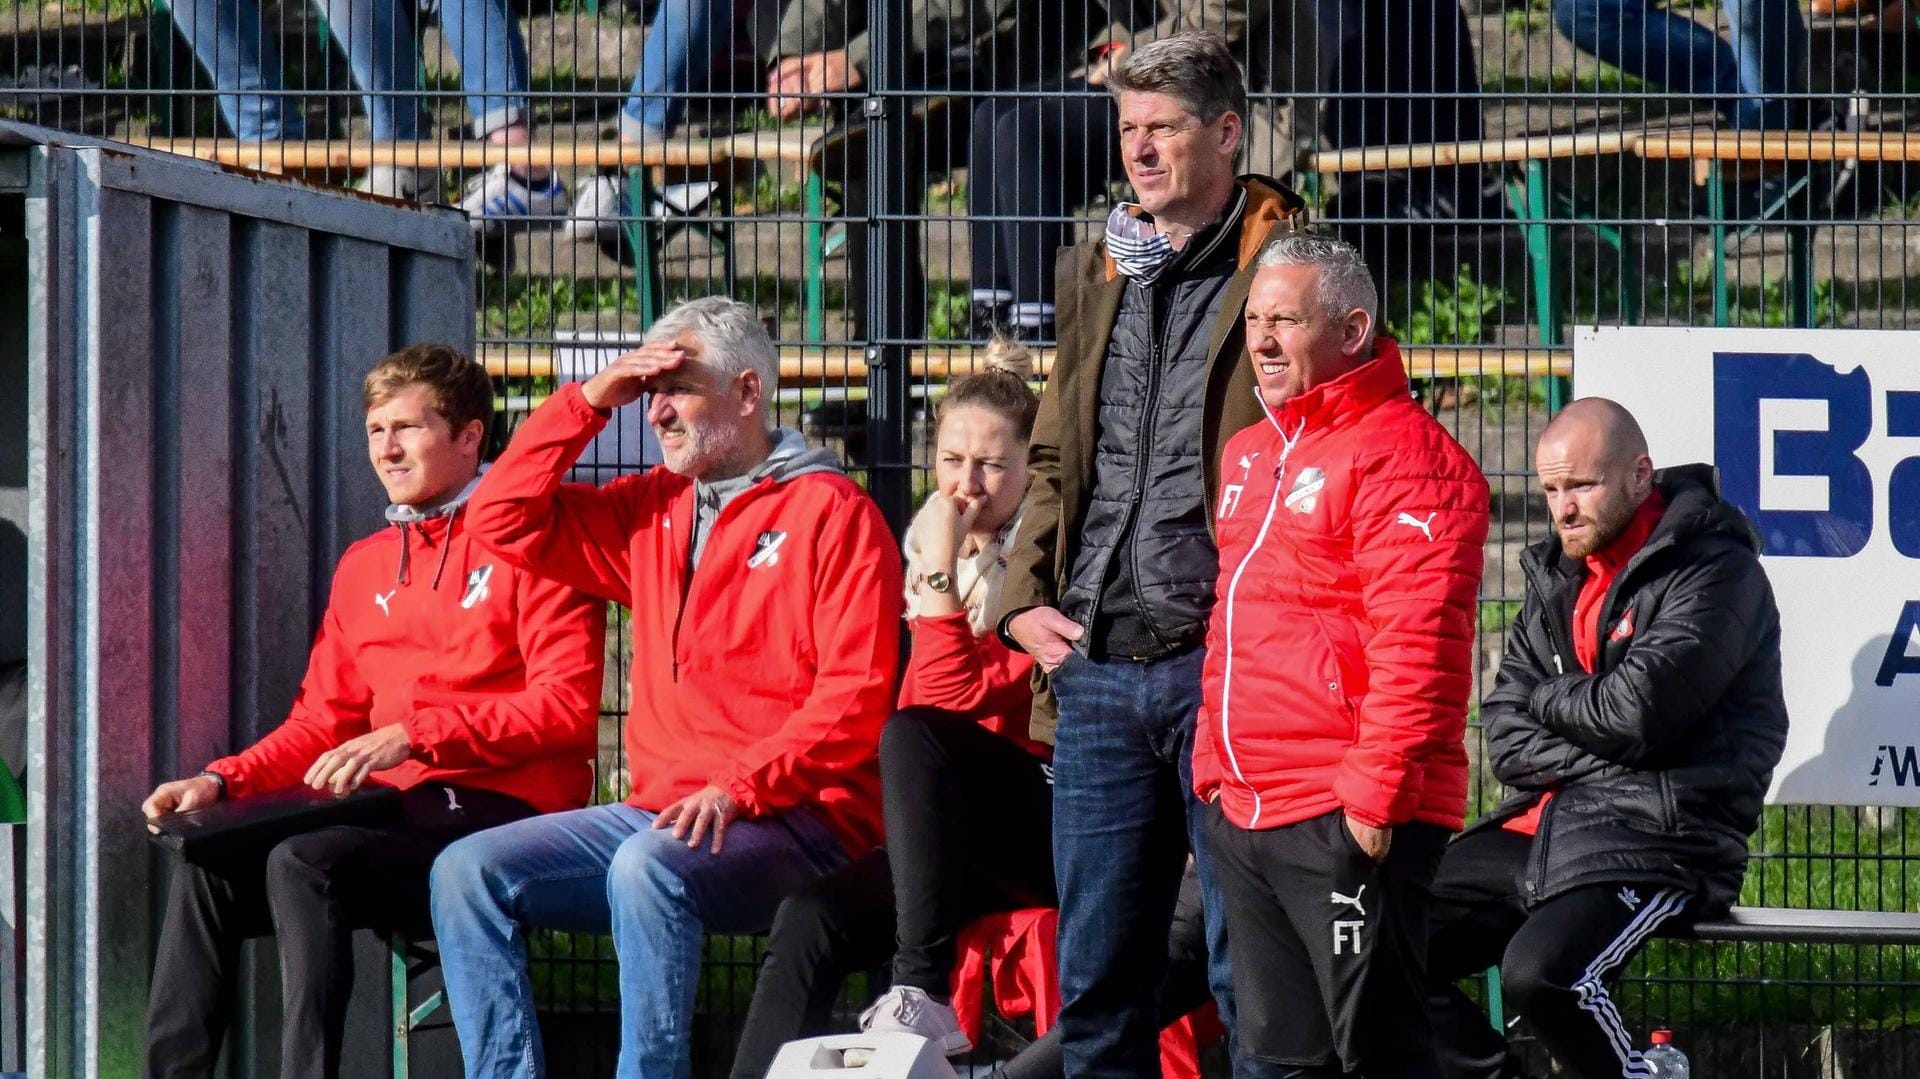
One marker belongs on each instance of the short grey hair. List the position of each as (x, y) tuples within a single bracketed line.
[(1194, 67), (732, 340), (1345, 283)]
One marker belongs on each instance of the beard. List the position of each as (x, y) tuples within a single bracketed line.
[(1602, 529), (702, 446)]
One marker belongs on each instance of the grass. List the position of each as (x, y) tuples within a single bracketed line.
[(949, 310), (1592, 77), (529, 307), (1496, 615)]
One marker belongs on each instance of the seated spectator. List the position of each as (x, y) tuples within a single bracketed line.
[(1350, 526), (1750, 79), (471, 685), (1400, 73), (1636, 719), (968, 803), (1032, 157), (379, 38), (765, 589), (683, 42)]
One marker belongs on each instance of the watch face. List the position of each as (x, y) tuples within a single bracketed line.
[(939, 581)]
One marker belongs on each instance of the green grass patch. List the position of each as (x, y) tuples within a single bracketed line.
[(1595, 77)]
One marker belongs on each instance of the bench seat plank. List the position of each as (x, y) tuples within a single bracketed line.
[(816, 363), (1781, 924)]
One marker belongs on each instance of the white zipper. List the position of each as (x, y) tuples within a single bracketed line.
[(1233, 588)]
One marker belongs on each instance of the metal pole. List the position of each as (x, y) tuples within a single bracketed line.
[(889, 398)]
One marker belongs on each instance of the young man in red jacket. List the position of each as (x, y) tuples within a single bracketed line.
[(766, 595), (439, 669), (1339, 664)]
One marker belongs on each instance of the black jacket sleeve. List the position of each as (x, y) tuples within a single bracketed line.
[(1523, 753), (1679, 666)]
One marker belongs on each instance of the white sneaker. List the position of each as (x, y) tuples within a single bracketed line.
[(393, 181), (599, 202), (497, 195), (905, 1009)]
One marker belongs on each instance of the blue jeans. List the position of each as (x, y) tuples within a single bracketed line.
[(1124, 818), (682, 41), (605, 870), (1744, 78), (225, 38), (379, 38)]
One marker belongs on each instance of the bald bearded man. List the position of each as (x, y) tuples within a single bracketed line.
[(1636, 720)]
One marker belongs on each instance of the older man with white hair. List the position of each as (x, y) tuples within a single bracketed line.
[(766, 592)]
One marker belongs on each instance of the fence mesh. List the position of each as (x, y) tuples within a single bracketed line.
[(886, 183)]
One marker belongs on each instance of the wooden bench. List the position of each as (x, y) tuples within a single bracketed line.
[(647, 167), (1528, 192), (814, 363)]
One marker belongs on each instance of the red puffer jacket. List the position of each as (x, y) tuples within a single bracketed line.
[(1340, 653)]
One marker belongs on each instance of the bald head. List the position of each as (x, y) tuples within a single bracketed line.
[(1593, 467)]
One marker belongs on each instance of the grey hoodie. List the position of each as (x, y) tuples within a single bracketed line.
[(411, 517), (791, 457)]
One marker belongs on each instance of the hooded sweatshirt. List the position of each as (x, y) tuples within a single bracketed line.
[(493, 672), (766, 667)]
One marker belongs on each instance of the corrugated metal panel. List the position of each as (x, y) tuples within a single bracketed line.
[(196, 341)]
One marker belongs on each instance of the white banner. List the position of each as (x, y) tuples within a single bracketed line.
[(1817, 437)]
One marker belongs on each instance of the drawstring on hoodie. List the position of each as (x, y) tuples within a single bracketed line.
[(446, 548), (400, 578), (410, 519)]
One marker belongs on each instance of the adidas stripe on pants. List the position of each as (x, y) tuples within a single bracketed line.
[(1556, 961)]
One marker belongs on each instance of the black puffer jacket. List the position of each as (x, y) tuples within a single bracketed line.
[(1143, 579), (1659, 760)]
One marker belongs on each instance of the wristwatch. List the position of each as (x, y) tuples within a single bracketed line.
[(219, 781), (940, 581)]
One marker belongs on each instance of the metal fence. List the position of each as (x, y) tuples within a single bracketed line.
[(1614, 162)]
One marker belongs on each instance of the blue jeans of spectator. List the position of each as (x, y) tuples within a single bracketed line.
[(379, 38), (225, 36), (1124, 818), (1745, 78), (682, 41), (606, 870)]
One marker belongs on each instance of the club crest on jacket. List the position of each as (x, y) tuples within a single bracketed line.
[(766, 550), (1305, 494)]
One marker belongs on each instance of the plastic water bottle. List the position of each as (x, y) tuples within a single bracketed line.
[(1664, 1059)]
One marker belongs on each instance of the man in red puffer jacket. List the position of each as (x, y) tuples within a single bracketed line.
[(1339, 663)]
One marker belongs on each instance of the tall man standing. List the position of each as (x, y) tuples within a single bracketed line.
[(1110, 580), (1637, 719)]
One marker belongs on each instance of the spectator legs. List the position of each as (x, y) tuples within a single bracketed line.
[(226, 38), (681, 43), (1120, 840)]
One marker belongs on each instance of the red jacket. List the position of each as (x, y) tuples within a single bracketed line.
[(1340, 652), (952, 667), (768, 670), (495, 673)]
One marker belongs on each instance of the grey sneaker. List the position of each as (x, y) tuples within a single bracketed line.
[(905, 1009)]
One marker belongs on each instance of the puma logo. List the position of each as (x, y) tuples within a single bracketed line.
[(453, 803), (1353, 900), (382, 601), (1425, 527)]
